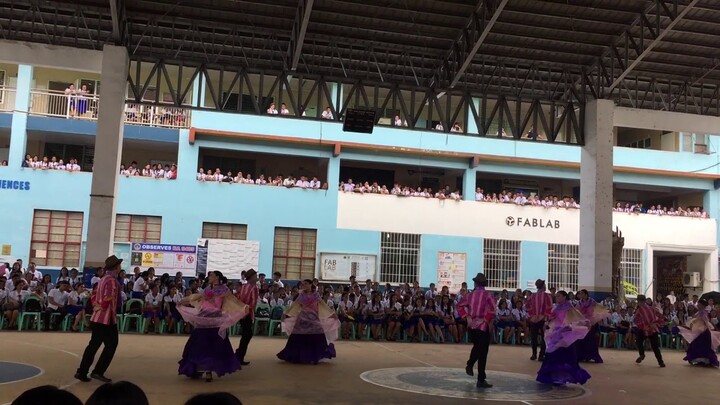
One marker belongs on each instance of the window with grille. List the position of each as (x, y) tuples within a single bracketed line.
[(56, 238), (294, 253), (501, 263), (137, 228), (631, 264), (563, 261), (214, 230), (399, 258)]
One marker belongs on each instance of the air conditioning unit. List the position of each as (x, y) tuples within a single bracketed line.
[(691, 279)]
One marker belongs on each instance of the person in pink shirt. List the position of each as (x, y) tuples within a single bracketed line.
[(479, 309), (647, 319), (103, 324), (539, 309)]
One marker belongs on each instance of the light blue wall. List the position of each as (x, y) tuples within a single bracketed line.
[(430, 245), (533, 263)]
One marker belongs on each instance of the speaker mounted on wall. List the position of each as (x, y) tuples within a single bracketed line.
[(358, 120)]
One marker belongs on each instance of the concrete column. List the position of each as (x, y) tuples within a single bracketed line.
[(596, 198), (472, 125), (108, 151), (336, 92), (711, 205), (18, 128), (187, 157), (469, 184), (198, 95), (333, 174)]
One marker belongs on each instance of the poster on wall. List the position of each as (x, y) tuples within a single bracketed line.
[(670, 271), (231, 257), (451, 270), (340, 266), (164, 258)]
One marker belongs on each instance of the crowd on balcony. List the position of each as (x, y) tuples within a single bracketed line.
[(280, 181), (151, 170), (638, 208), (52, 163)]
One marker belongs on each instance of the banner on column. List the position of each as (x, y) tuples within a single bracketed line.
[(164, 258), (451, 270)]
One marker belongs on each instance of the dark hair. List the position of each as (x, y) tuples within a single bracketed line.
[(46, 395), (217, 273), (119, 393), (563, 293), (584, 291), (218, 398)]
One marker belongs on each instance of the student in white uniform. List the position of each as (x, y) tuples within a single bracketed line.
[(153, 307)]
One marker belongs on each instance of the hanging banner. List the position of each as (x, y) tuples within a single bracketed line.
[(451, 270), (164, 258)]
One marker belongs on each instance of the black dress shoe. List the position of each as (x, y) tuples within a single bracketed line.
[(100, 377), (483, 384), (82, 377), (640, 359), (469, 371), (533, 357), (244, 363)]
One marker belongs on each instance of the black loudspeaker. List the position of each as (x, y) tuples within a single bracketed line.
[(362, 121), (716, 183)]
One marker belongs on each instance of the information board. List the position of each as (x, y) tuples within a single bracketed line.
[(164, 258), (231, 257), (340, 266), (451, 270)]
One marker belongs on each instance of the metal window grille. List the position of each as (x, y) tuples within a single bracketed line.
[(399, 258), (214, 230), (501, 263), (294, 253), (563, 261), (631, 264), (56, 238), (137, 228)]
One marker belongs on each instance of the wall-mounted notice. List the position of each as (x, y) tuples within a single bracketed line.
[(231, 257), (451, 270), (164, 258), (340, 266)]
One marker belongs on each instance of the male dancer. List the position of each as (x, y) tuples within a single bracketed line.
[(479, 309), (539, 308), (647, 320), (248, 295), (102, 324)]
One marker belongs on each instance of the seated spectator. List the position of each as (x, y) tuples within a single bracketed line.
[(153, 307), (327, 114), (46, 395), (119, 393), (218, 398), (283, 109), (57, 304), (272, 110)]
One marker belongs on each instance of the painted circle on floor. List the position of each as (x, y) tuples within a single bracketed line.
[(11, 372), (454, 383)]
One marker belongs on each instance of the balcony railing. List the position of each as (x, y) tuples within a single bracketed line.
[(57, 104), (7, 98)]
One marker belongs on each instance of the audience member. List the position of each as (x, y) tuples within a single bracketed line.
[(218, 398), (119, 393), (46, 395)]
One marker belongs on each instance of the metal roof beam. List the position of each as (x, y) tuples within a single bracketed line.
[(117, 12), (297, 37), (468, 43)]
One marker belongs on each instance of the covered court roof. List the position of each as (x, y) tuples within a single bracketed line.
[(662, 55)]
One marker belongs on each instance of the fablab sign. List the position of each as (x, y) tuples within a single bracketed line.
[(532, 222), (14, 185)]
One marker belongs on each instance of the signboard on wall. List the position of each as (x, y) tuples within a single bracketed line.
[(451, 270), (231, 257), (340, 266), (164, 258)]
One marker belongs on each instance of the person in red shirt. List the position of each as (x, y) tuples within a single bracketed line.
[(479, 309), (248, 295), (103, 324), (539, 309), (647, 320)]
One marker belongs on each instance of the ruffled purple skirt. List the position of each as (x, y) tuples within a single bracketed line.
[(587, 347), (204, 351), (561, 367), (700, 351), (307, 349)]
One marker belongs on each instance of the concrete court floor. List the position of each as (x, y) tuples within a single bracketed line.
[(151, 362)]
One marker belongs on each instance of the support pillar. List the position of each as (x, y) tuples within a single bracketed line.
[(188, 157), (18, 128), (336, 92), (108, 151), (333, 174), (472, 127), (469, 184), (596, 199), (198, 95)]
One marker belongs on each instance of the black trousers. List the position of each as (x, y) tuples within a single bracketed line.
[(102, 334), (654, 343), (246, 325), (58, 319), (537, 332), (481, 343)]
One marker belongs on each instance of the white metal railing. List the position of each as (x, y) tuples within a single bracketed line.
[(7, 98), (59, 104)]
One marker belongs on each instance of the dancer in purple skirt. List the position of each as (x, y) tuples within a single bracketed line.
[(312, 325), (587, 347), (208, 350), (703, 340)]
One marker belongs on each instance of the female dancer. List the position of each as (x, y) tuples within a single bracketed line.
[(560, 365), (702, 339), (208, 349), (587, 347), (311, 324)]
